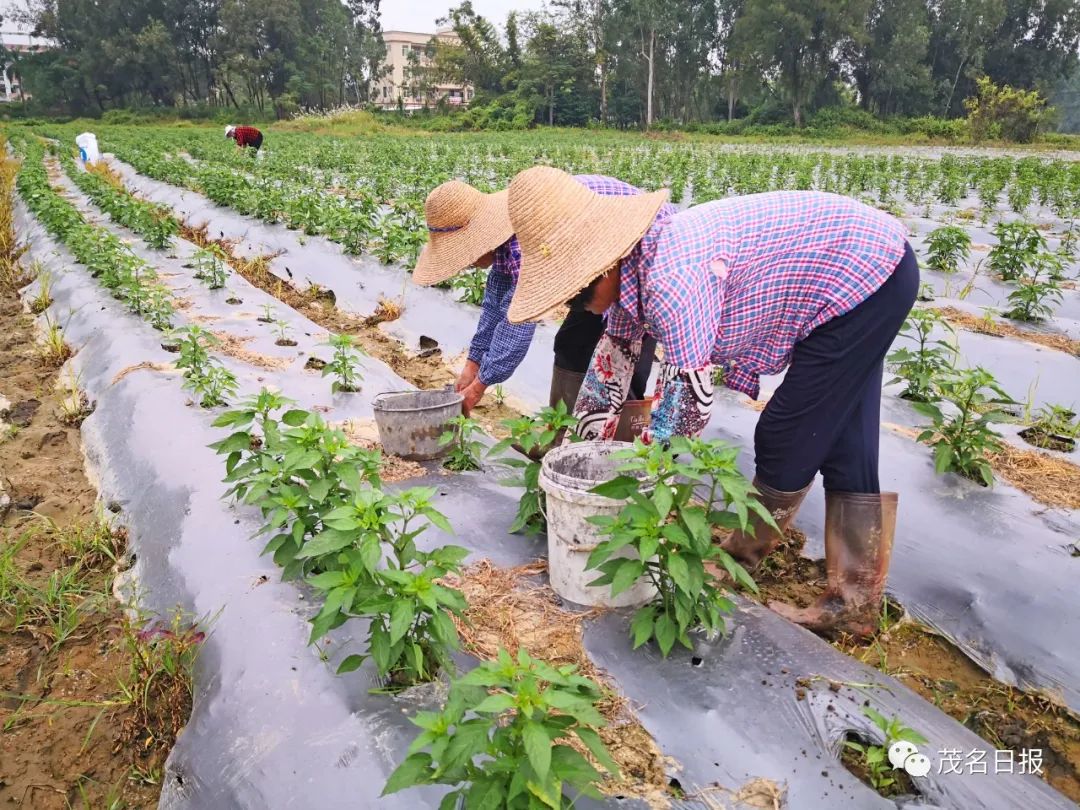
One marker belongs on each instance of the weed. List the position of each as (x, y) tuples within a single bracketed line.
[(696, 485), (464, 450), (74, 405), (504, 736), (345, 364), (53, 349), (1054, 427), (42, 300)]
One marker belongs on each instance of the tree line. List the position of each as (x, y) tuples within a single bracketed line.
[(619, 62)]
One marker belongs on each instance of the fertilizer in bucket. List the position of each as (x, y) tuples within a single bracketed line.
[(566, 476)]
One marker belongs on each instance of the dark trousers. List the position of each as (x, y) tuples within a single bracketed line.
[(826, 414), (576, 340)]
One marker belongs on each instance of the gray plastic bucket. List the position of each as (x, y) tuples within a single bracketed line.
[(411, 422), (566, 476)]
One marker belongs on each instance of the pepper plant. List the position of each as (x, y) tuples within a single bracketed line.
[(948, 246), (209, 265), (875, 757), (1035, 294), (1019, 243), (696, 486), (464, 448), (503, 740), (345, 364), (472, 285), (533, 436), (963, 435), (920, 367)]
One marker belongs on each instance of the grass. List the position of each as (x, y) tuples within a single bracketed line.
[(53, 350)]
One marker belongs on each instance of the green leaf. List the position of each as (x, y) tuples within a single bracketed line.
[(662, 499), (597, 748), (325, 543), (642, 625), (495, 704), (350, 664), (627, 574), (401, 618), (680, 573), (666, 633), (415, 770), (619, 488), (327, 580), (537, 748)]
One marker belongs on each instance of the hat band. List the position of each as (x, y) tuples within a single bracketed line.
[(447, 229)]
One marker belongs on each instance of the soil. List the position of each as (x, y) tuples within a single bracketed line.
[(425, 372), (1048, 441), (971, 323), (512, 608), (364, 433), (64, 739), (938, 671)]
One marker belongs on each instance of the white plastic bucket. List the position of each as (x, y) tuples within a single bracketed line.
[(566, 476)]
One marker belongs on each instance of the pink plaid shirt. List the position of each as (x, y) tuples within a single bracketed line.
[(738, 282)]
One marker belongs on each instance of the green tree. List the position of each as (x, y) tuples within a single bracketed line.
[(889, 65)]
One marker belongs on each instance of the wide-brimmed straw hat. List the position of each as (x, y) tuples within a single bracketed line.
[(229, 130), (569, 236), (463, 224)]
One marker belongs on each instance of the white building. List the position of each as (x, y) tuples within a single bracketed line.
[(402, 87)]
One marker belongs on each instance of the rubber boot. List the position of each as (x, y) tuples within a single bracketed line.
[(564, 387), (750, 548), (859, 529)]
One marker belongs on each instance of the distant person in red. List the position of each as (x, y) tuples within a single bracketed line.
[(245, 136)]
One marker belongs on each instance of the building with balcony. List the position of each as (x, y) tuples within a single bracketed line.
[(406, 84)]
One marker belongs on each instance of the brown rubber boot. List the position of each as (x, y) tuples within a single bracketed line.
[(859, 529), (750, 548)]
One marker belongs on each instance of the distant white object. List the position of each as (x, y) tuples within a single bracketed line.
[(229, 130), (88, 147)]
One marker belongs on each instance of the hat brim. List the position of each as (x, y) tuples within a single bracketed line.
[(447, 254), (581, 248)]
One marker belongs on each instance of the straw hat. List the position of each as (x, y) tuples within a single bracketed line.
[(229, 130), (569, 236), (463, 224)]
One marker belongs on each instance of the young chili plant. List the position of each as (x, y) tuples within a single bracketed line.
[(533, 436), (1019, 243), (471, 285), (372, 568), (922, 366), (1035, 295), (696, 485), (948, 246), (875, 757), (963, 437), (204, 375), (345, 364), (465, 449), (503, 740)]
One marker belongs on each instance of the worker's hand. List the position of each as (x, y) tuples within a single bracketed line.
[(473, 394), (468, 374)]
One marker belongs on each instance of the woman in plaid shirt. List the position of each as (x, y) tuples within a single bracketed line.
[(498, 347), (245, 136), (815, 283)]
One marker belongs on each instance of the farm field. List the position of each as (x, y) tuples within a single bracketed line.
[(232, 319)]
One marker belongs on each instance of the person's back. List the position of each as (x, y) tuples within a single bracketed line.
[(245, 136)]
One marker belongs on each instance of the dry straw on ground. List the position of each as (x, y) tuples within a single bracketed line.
[(234, 346), (971, 323), (510, 608), (145, 365)]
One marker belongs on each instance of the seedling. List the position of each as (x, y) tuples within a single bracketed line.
[(503, 739), (696, 485), (210, 268), (876, 757), (962, 440), (283, 329), (268, 314), (949, 245), (1053, 428), (204, 376), (498, 395), (159, 309), (921, 367), (533, 436), (465, 450), (345, 364)]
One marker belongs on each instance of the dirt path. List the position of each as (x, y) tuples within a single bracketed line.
[(72, 731)]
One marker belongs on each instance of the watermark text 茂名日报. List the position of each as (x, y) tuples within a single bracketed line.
[(904, 755)]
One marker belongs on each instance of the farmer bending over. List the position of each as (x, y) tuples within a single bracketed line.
[(815, 283), (467, 228), (245, 136)]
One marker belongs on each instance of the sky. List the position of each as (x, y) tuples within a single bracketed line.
[(419, 15)]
